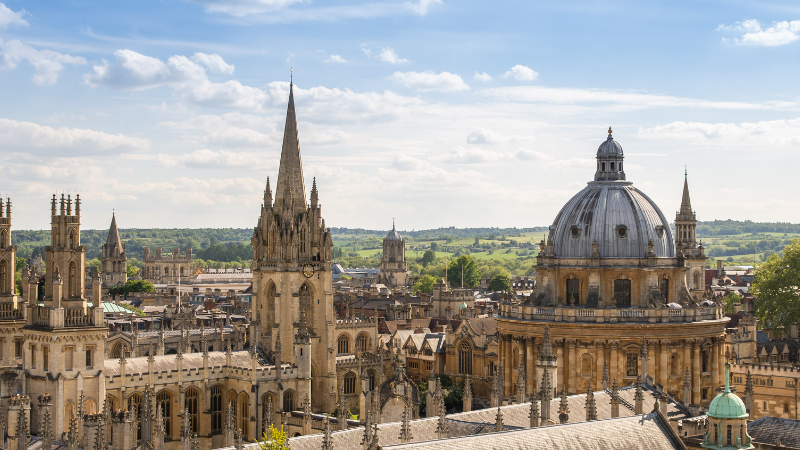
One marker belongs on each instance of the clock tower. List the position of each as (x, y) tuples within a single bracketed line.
[(292, 279)]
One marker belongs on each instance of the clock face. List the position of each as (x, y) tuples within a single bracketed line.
[(308, 270)]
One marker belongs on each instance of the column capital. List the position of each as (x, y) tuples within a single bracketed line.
[(572, 343), (613, 345)]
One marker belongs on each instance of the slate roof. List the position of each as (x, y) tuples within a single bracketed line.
[(770, 430), (487, 324)]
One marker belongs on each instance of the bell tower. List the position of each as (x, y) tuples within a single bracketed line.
[(8, 256), (113, 259), (292, 278), (686, 239)]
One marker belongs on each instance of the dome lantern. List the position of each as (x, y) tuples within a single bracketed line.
[(609, 160)]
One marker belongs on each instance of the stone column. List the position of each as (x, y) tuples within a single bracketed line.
[(530, 364), (572, 386), (715, 346), (508, 367), (558, 344), (695, 372), (663, 365), (613, 366), (601, 363)]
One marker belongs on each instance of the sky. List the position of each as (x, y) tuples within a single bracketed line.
[(434, 113)]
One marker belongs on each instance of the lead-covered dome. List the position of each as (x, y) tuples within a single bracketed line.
[(393, 235), (621, 219)]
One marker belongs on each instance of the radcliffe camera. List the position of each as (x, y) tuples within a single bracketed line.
[(545, 225)]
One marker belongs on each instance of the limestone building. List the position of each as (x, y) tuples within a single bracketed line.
[(611, 284), (113, 262), (12, 308), (160, 268), (686, 240), (394, 268)]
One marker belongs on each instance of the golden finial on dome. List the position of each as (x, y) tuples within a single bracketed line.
[(609, 131)]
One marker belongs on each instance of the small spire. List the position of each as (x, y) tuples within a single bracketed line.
[(563, 407), (727, 378)]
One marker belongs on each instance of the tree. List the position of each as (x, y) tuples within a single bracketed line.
[(463, 265), (274, 439), (428, 257), (132, 286), (132, 271), (345, 277), (425, 284), (500, 282), (434, 246), (776, 288)]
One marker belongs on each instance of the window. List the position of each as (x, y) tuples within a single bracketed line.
[(704, 393), (622, 231), (789, 384), (18, 347), (135, 404), (191, 404), (612, 166), (769, 382), (704, 360), (465, 358), (3, 284), (73, 280), (89, 351), (586, 365), (33, 356), (603, 167), (288, 401), (362, 342), (573, 290), (675, 365), (350, 383), (164, 403), (68, 351), (413, 364), (730, 434), (428, 365), (46, 357), (765, 406), (664, 288), (697, 281), (216, 408), (632, 365), (244, 414), (622, 293), (69, 411), (305, 305), (344, 344), (786, 408), (575, 231)]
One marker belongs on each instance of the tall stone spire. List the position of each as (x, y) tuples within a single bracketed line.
[(614, 399), (591, 406), (113, 235), (290, 175), (563, 406), (546, 395), (534, 412), (686, 203)]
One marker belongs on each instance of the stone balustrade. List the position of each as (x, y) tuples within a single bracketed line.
[(610, 314)]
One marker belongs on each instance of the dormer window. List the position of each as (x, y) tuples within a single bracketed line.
[(660, 231), (622, 231), (612, 166), (575, 231), (603, 167)]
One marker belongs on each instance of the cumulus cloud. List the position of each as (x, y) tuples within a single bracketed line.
[(47, 64), (9, 17), (522, 73), (421, 8), (774, 132), (407, 163), (388, 55), (751, 33), (210, 159), (214, 63), (483, 136), (38, 139), (483, 76), (335, 59), (430, 81)]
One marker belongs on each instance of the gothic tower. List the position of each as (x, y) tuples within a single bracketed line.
[(292, 278), (686, 239), (394, 268), (12, 317), (64, 339), (8, 256), (113, 259)]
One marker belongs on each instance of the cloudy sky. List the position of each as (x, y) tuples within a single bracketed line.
[(435, 112)]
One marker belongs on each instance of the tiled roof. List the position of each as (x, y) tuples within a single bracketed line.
[(770, 430)]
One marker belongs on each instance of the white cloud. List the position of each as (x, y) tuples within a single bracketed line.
[(483, 136), (214, 63), (209, 159), (35, 138), (532, 155), (421, 8), (483, 76), (408, 163), (622, 100), (47, 64), (430, 81), (388, 55), (241, 8), (335, 59), (522, 73), (780, 33), (474, 155), (9, 17), (772, 132)]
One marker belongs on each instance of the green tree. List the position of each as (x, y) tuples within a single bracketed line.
[(776, 288), (500, 282), (425, 284), (275, 439), (132, 286), (428, 257), (345, 277), (463, 267), (434, 246)]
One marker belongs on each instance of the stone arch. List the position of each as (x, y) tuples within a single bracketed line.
[(232, 400), (243, 419), (343, 343), (113, 403), (191, 403), (289, 400), (675, 365), (362, 342), (117, 350), (69, 413), (164, 403), (91, 406), (696, 280), (349, 383), (267, 398), (217, 407)]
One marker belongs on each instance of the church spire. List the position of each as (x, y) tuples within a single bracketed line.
[(290, 175), (686, 204), (113, 234)]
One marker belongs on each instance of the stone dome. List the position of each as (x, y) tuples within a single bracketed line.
[(393, 235), (727, 405), (613, 213)]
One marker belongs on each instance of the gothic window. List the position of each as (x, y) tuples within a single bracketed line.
[(69, 412), (343, 344), (135, 404), (166, 271), (303, 241), (266, 400), (371, 378), (350, 383), (244, 414), (697, 280), (72, 239), (632, 365), (622, 293), (675, 365), (73, 282), (3, 282), (117, 350), (216, 408), (465, 358), (288, 401), (515, 358), (233, 401), (91, 407), (305, 304), (164, 403), (664, 288), (586, 365), (3, 239), (191, 405), (362, 342), (573, 290)]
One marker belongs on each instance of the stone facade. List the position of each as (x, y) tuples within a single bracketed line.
[(394, 268), (113, 262), (160, 268)]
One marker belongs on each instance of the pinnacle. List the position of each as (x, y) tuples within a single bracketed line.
[(290, 175)]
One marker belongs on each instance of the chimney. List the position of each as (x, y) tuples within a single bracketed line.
[(719, 268), (793, 331)]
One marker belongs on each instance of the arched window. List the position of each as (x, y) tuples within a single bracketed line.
[(603, 167), (244, 414), (573, 291), (465, 358), (288, 401), (216, 408), (664, 288), (91, 407), (267, 402), (69, 412), (675, 365), (73, 280), (166, 271), (362, 342), (515, 352), (612, 166), (350, 383), (343, 344), (192, 406), (116, 351), (135, 404), (371, 378), (233, 398), (696, 280), (164, 403), (3, 239), (305, 305), (3, 281), (586, 365), (72, 239)]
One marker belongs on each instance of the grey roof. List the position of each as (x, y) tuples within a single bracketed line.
[(598, 210), (770, 430), (393, 235)]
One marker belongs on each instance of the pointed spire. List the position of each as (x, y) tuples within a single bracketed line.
[(186, 426), (686, 203), (327, 440), (591, 406), (520, 390), (563, 407), (228, 429), (727, 378), (466, 398), (113, 235), (533, 415), (614, 399), (268, 195), (498, 421), (290, 174), (342, 411), (405, 425), (442, 427), (314, 194), (99, 437), (72, 434), (638, 398), (239, 441), (367, 437), (45, 421)]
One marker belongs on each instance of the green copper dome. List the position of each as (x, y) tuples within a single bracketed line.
[(463, 305), (727, 405)]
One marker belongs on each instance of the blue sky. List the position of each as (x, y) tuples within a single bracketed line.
[(434, 112)]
